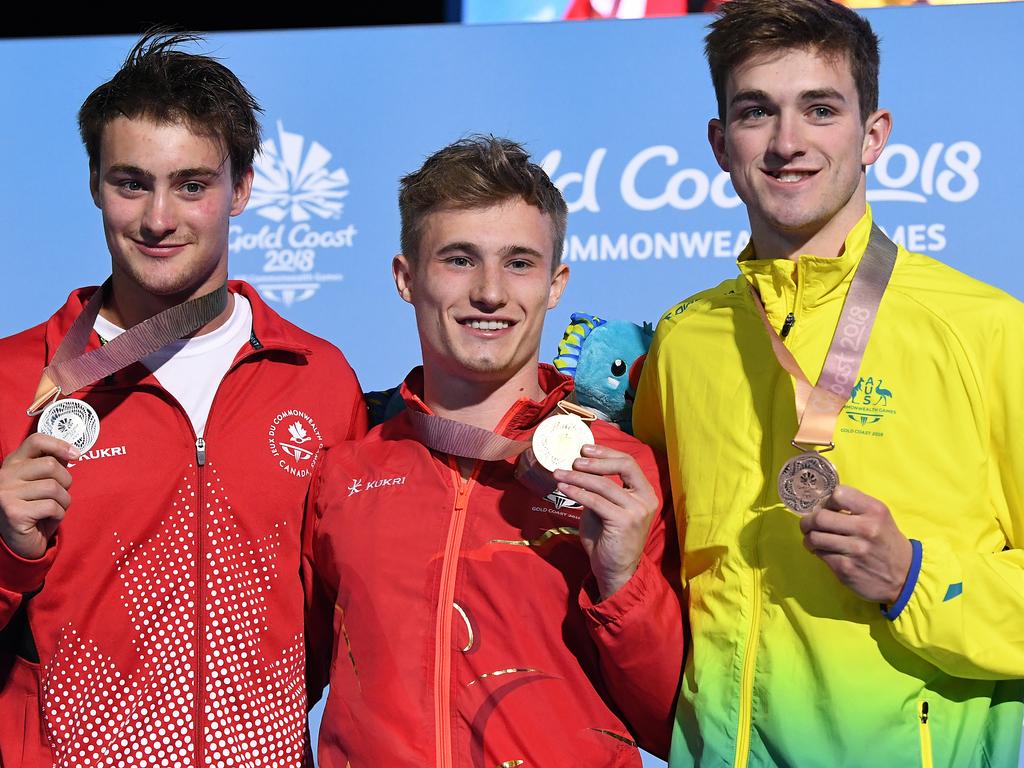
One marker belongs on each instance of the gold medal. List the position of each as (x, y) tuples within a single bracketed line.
[(557, 441)]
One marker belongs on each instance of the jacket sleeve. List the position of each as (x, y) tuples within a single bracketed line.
[(964, 610), (19, 576), (319, 603), (639, 631)]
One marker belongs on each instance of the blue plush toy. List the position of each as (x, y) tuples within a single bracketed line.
[(604, 357)]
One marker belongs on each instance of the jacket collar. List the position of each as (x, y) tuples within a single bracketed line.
[(785, 286), (524, 414), (269, 329)]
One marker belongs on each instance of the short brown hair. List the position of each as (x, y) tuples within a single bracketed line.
[(160, 83), (746, 28), (477, 172)]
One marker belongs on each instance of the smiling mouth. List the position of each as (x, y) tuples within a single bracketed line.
[(158, 247), (487, 325), (790, 177)]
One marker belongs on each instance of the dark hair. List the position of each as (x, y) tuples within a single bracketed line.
[(746, 28), (476, 172), (160, 83)]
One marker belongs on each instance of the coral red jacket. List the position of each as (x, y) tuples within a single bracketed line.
[(460, 632), (164, 626)]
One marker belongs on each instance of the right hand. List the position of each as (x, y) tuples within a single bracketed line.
[(34, 483)]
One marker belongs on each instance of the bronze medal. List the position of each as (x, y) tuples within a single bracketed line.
[(805, 481)]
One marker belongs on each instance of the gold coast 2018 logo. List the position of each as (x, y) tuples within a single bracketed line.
[(301, 198), (295, 442), (871, 401)]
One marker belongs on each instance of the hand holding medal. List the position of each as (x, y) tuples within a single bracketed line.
[(34, 483), (856, 536), (614, 525)]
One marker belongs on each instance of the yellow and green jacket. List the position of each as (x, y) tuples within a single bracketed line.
[(787, 666)]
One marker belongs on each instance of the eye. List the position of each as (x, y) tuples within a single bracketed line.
[(822, 113), (192, 187), (618, 367), (460, 261), (130, 185), (755, 113)]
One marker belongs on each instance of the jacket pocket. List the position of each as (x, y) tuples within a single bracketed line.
[(926, 736)]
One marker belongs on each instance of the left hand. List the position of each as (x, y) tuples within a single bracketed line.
[(614, 525), (856, 536)]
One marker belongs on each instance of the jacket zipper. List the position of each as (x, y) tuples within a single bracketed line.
[(926, 736), (745, 720), (200, 624), (747, 680), (200, 443), (445, 609)]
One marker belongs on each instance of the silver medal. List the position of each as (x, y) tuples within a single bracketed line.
[(806, 480), (73, 421)]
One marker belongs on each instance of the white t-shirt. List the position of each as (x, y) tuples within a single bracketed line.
[(191, 369)]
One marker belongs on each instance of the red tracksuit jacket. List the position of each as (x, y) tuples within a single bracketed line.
[(453, 620), (164, 626)]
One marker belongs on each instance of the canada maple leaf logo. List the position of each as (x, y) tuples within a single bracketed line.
[(298, 433), (253, 707)]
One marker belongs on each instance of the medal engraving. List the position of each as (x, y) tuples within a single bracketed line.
[(557, 441), (805, 480), (73, 421)]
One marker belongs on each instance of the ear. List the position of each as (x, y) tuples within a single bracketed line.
[(401, 269), (558, 282), (716, 138), (94, 185), (876, 133), (240, 192)]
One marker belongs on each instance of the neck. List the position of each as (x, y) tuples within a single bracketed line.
[(828, 241), (478, 403), (127, 306)]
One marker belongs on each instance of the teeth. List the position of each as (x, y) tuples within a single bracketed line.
[(488, 325), (789, 177)]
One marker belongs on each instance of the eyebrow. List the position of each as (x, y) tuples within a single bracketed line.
[(462, 246), (815, 94), (201, 172)]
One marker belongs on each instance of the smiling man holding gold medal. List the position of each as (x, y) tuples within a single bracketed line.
[(151, 610), (478, 602), (875, 393)]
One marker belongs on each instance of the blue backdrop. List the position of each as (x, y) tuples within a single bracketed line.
[(617, 111)]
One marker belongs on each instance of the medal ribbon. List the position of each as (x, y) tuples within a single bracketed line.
[(456, 438), (70, 370), (470, 442), (818, 406)]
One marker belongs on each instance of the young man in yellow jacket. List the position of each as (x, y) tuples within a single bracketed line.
[(883, 625)]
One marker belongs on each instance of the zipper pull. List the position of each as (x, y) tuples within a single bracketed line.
[(924, 712), (787, 325), (200, 452)]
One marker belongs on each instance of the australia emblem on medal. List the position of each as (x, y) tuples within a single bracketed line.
[(73, 421), (806, 480)]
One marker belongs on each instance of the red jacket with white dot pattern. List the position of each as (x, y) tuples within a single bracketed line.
[(164, 626)]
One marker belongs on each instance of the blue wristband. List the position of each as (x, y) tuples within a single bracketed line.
[(896, 609)]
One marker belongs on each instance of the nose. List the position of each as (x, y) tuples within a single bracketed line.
[(158, 218), (489, 291), (787, 136)]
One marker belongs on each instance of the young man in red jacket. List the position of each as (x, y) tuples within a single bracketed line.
[(465, 617), (156, 619)]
